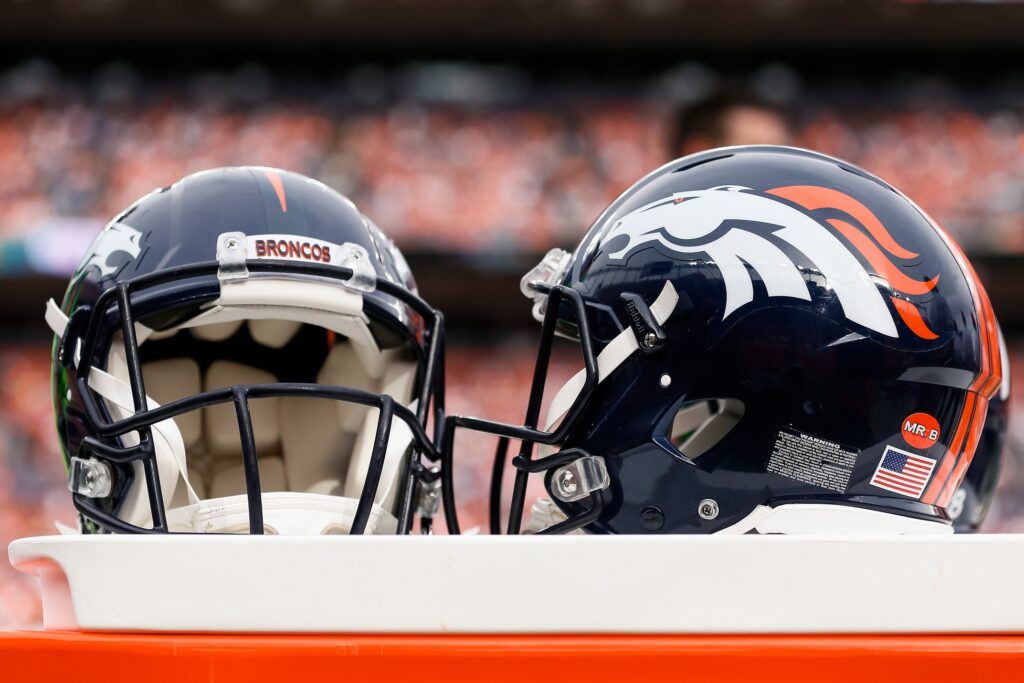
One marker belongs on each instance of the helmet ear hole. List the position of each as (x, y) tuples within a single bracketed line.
[(700, 425)]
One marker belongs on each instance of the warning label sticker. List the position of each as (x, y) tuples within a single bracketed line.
[(812, 460)]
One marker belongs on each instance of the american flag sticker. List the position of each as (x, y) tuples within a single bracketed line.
[(903, 472)]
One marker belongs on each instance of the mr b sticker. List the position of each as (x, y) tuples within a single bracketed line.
[(920, 430)]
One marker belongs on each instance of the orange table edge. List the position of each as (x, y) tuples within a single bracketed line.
[(62, 656)]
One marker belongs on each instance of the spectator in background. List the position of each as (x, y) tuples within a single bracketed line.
[(733, 116)]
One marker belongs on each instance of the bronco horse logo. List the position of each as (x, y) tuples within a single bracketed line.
[(116, 238), (716, 222)]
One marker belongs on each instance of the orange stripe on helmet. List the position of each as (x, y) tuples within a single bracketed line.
[(991, 374), (972, 418), (957, 459), (912, 318), (877, 258), (812, 197), (986, 384), (988, 330), (996, 374), (962, 463), (275, 179), (948, 461)]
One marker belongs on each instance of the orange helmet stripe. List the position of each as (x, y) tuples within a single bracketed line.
[(972, 417), (973, 437), (275, 181)]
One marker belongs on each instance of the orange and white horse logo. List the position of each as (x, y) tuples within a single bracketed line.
[(713, 222)]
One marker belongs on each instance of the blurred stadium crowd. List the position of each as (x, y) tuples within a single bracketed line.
[(503, 167), (500, 166)]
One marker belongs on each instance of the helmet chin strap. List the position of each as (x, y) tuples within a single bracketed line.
[(284, 513), (118, 392), (613, 355), (55, 318), (543, 514), (170, 448)]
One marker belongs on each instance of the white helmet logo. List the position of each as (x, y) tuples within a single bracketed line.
[(713, 222), (116, 237)]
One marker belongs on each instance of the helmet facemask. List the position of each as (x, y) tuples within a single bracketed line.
[(215, 442), (563, 313)]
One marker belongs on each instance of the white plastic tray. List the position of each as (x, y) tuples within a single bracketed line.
[(571, 584)]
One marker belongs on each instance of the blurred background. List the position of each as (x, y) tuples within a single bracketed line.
[(478, 134)]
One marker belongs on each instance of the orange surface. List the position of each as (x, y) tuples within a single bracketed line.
[(55, 656)]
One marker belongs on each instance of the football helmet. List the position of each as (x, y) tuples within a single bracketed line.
[(245, 351), (773, 341), (970, 504)]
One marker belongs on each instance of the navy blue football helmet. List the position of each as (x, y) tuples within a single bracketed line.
[(244, 351), (774, 341)]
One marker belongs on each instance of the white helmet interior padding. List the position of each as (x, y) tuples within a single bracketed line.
[(313, 453), (285, 513)]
